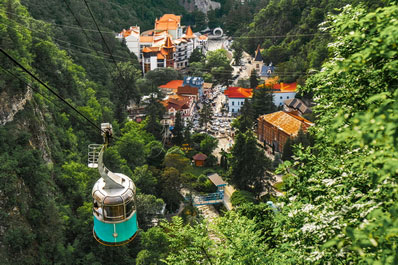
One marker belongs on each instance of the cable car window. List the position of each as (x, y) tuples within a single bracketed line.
[(130, 207), (114, 213)]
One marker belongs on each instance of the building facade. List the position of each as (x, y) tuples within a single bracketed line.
[(275, 128), (165, 45), (235, 97)]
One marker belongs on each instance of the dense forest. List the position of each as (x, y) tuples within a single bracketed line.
[(340, 193)]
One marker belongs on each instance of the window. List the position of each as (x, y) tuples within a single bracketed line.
[(281, 97), (287, 97), (114, 212), (130, 207), (233, 103), (233, 110)]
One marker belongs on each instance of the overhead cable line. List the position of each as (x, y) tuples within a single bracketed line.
[(60, 25), (49, 89), (102, 36), (85, 48)]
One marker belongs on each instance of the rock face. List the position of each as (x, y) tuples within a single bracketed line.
[(202, 5), (10, 106)]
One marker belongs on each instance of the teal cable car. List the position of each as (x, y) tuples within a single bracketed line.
[(115, 216)]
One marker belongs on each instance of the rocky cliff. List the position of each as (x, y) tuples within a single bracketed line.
[(201, 5)]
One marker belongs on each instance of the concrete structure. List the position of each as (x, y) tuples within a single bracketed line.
[(275, 128)]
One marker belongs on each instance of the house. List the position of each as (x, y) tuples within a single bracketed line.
[(171, 87), (283, 92), (258, 60), (296, 104), (267, 71), (275, 128), (280, 91), (236, 97), (199, 159), (194, 82)]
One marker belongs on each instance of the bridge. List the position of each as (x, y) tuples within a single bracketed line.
[(223, 194)]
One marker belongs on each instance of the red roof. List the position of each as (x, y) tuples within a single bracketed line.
[(238, 92), (187, 90), (287, 122), (174, 84), (200, 157), (291, 87)]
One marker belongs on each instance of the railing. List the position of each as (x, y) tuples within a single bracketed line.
[(211, 198), (93, 155)]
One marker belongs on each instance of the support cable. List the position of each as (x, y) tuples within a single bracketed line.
[(49, 89)]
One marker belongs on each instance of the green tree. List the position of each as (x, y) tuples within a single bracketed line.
[(248, 165), (218, 64), (238, 52), (196, 56), (205, 114), (245, 120), (161, 76), (253, 79), (178, 131), (208, 145), (262, 102)]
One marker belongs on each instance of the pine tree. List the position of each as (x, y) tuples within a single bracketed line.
[(253, 79), (262, 102), (249, 165), (178, 136)]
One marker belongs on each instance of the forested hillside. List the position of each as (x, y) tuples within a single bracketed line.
[(340, 195), (288, 32)]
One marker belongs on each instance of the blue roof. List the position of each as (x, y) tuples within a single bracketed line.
[(267, 70)]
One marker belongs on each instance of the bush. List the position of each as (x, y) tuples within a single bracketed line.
[(240, 197)]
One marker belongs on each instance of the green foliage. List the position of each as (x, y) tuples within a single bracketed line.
[(249, 165), (178, 130), (196, 56), (208, 144), (241, 197), (253, 79), (161, 76), (262, 102)]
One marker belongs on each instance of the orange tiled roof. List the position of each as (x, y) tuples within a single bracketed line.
[(169, 43), (174, 84), (189, 33), (146, 38), (160, 56), (238, 92), (287, 122), (203, 37), (168, 22), (286, 87)]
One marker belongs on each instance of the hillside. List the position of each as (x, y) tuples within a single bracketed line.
[(339, 203)]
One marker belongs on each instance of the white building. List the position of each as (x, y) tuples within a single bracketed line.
[(236, 96)]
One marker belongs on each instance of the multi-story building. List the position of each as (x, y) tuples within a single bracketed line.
[(165, 45)]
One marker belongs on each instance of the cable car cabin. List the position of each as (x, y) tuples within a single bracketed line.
[(115, 217)]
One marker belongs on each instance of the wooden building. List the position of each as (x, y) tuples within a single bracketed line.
[(199, 159), (275, 128)]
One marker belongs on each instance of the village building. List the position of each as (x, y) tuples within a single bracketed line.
[(235, 97), (165, 45), (258, 61), (275, 128), (296, 104)]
